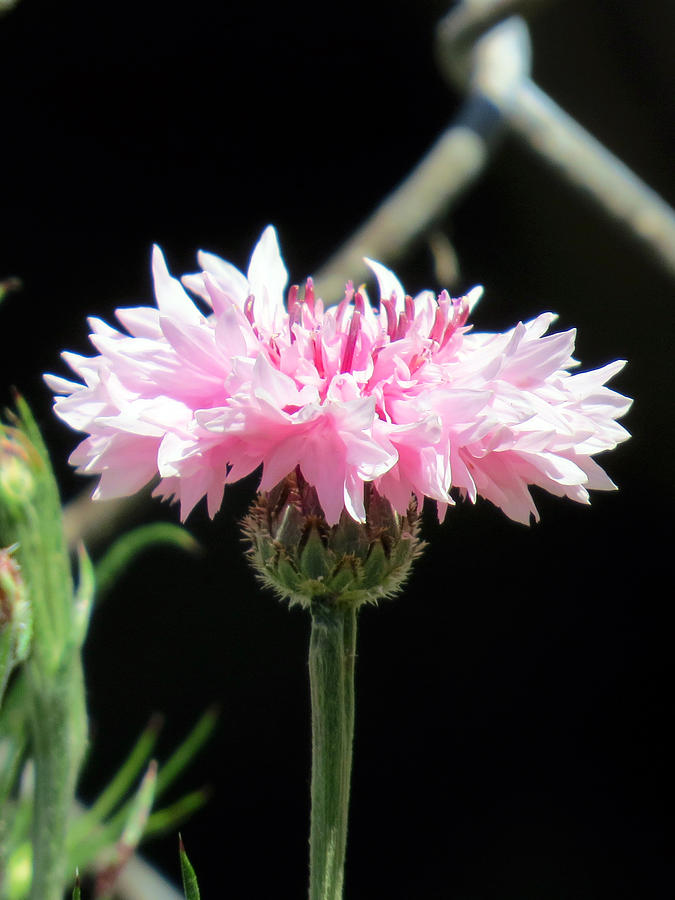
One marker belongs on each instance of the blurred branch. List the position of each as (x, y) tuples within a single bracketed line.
[(584, 162), (553, 135), (450, 167), (94, 523), (9, 285), (7, 6), (468, 21)]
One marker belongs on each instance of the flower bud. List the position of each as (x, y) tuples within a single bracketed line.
[(296, 553), (15, 616), (17, 467)]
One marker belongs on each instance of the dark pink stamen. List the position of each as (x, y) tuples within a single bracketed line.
[(438, 327), (292, 298), (318, 356), (350, 346), (275, 353), (448, 333), (359, 303), (460, 313), (409, 308), (417, 360), (390, 306), (344, 303), (442, 318), (402, 327)]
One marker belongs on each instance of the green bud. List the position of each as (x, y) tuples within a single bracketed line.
[(301, 558), (18, 461), (15, 617)]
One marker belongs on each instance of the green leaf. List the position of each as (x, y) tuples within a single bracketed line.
[(140, 808), (130, 545), (168, 817), (7, 285), (84, 596), (77, 894), (190, 886), (116, 790), (186, 751), (14, 738), (93, 831)]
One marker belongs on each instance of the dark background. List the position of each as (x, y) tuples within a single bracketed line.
[(513, 705)]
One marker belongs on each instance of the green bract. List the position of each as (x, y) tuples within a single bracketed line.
[(303, 559)]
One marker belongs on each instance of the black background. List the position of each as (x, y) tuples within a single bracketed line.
[(513, 705)]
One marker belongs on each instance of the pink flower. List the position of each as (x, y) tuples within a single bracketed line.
[(405, 396)]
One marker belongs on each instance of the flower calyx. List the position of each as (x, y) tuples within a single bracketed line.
[(303, 559)]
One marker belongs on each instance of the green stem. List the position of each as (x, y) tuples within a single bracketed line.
[(58, 721), (331, 673), (31, 518)]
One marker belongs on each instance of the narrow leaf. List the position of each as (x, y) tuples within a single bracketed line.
[(167, 818), (115, 792), (190, 886), (131, 836), (7, 285), (84, 596), (185, 752), (77, 893), (140, 809)]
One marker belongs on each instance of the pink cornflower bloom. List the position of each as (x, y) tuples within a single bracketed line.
[(406, 396)]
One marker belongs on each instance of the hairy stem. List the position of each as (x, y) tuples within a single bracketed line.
[(58, 723), (331, 672)]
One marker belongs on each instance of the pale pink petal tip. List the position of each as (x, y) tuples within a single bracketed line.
[(405, 395)]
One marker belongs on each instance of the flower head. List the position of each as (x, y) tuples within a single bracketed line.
[(405, 396)]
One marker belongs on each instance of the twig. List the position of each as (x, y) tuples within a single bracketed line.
[(94, 523), (553, 135), (449, 168), (584, 162), (7, 6), (466, 23)]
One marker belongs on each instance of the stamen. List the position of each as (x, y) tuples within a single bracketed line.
[(344, 303), (248, 308), (359, 302), (460, 313), (294, 310), (309, 295), (409, 308), (292, 299), (390, 306), (350, 346), (275, 353), (318, 356), (417, 361), (438, 327), (442, 318), (402, 327)]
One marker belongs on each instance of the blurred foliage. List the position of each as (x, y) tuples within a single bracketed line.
[(43, 723)]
